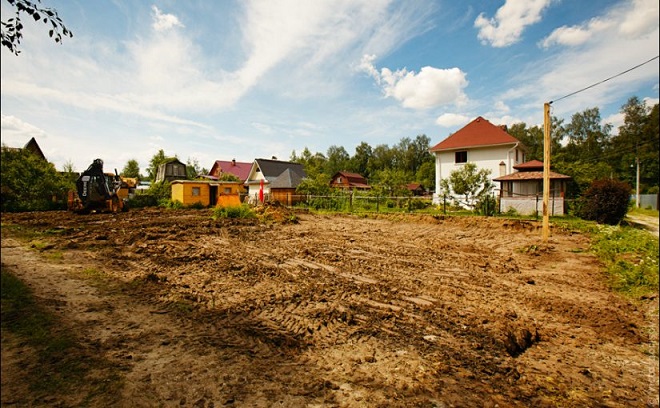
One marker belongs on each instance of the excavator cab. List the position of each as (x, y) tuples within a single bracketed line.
[(96, 191)]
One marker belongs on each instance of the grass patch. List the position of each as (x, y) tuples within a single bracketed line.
[(629, 254), (62, 366), (643, 211)]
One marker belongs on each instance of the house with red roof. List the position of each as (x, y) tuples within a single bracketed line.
[(349, 181), (486, 145), (522, 190), (239, 169)]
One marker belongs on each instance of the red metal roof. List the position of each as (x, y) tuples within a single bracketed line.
[(531, 175), (479, 132), (530, 165), (238, 169)]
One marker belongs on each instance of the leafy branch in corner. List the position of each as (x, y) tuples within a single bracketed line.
[(12, 29)]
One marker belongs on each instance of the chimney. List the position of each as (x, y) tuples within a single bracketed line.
[(233, 162), (502, 169), (504, 128)]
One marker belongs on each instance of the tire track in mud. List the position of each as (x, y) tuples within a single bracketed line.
[(454, 311)]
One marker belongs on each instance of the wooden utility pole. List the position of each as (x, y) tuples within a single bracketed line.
[(546, 171)]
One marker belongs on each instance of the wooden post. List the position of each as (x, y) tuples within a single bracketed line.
[(546, 171)]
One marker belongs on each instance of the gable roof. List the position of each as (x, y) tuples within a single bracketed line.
[(288, 179), (352, 179), (33, 146), (271, 169), (477, 133), (238, 169)]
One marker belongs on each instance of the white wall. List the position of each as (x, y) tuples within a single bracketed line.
[(484, 157)]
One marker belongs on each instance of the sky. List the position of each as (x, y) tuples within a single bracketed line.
[(222, 80)]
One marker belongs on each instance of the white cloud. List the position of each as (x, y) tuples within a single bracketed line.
[(510, 21), (575, 35), (162, 21), (641, 19), (651, 102), (431, 87), (631, 19), (16, 132), (449, 120)]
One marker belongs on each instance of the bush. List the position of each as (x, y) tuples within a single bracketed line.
[(605, 201), (487, 205), (242, 211), (142, 200)]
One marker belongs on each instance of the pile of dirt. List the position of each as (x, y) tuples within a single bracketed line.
[(343, 310)]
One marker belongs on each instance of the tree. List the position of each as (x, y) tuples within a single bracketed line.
[(157, 159), (12, 29), (637, 140), (338, 159), (359, 163), (587, 138), (30, 183), (131, 169), (193, 169), (469, 182)]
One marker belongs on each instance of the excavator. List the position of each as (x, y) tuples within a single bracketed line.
[(97, 191)]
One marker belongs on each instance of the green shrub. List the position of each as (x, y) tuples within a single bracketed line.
[(605, 201), (142, 200), (242, 211), (487, 205)]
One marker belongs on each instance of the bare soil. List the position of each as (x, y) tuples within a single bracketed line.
[(333, 311)]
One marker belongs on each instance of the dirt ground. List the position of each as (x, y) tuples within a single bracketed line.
[(335, 311)]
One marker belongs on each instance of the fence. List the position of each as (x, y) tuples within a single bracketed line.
[(646, 200)]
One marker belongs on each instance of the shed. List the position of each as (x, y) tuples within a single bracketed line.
[(170, 170), (207, 193)]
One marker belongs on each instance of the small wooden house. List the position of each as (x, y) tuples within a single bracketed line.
[(416, 189), (171, 170), (276, 180), (207, 193), (349, 181)]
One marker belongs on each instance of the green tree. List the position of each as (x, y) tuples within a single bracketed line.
[(193, 169), (319, 185), (338, 159), (12, 28), (157, 159), (30, 183), (131, 169), (314, 164), (359, 163), (392, 182), (637, 140), (426, 175), (468, 182), (587, 138)]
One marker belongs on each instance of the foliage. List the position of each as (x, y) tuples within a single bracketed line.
[(605, 202), (486, 205), (193, 169), (131, 169), (242, 211), (391, 182), (468, 182), (12, 29), (318, 185), (30, 183), (142, 200), (228, 177), (157, 159), (160, 191)]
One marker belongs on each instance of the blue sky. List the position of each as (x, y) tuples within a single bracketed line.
[(221, 80)]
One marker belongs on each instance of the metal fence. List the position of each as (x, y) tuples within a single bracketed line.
[(646, 200)]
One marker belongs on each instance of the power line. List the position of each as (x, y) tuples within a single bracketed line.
[(605, 80)]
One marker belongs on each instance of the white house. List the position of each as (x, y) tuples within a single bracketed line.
[(273, 177), (482, 143)]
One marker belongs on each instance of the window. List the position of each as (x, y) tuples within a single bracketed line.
[(227, 190), (195, 191), (461, 157)]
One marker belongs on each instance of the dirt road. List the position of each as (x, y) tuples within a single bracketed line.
[(337, 311)]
